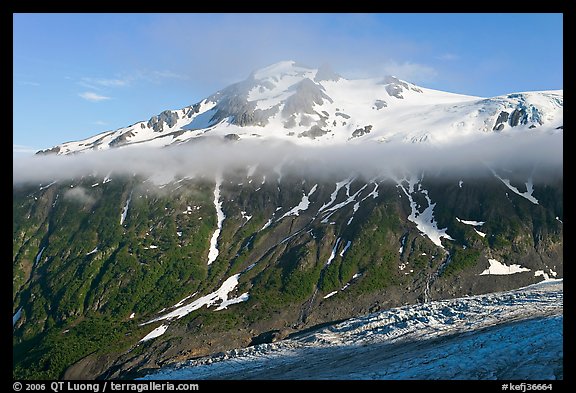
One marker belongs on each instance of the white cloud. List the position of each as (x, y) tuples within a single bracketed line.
[(79, 194), (29, 83), (113, 82), (93, 97), (167, 74), (107, 82), (151, 76), (411, 72), (23, 149), (100, 123), (208, 156)]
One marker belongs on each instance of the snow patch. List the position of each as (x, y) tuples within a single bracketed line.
[(245, 216), (402, 243), (39, 256), (424, 221), (242, 298), (160, 330), (330, 294), (268, 223), (213, 253), (499, 269), (93, 251), (221, 294), (346, 247), (334, 194), (333, 254), (302, 206), (553, 273), (48, 185), (471, 222), (529, 188), (125, 209), (480, 233)]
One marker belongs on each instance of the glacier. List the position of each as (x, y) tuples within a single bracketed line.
[(491, 336)]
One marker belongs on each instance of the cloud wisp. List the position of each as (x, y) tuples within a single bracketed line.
[(93, 97), (209, 156)]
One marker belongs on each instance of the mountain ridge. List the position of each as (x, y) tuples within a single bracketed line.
[(308, 106)]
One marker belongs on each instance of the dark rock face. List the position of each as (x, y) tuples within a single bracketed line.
[(392, 80), (379, 104), (54, 150), (395, 87), (266, 337), (344, 115), (502, 118), (121, 140), (233, 103), (395, 91), (516, 116), (167, 117), (195, 109), (290, 122), (325, 73), (313, 132), (307, 94), (361, 131), (232, 137)]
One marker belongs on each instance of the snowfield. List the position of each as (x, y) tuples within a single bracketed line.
[(509, 335), (287, 96)]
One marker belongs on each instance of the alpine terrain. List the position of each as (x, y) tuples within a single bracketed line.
[(281, 207)]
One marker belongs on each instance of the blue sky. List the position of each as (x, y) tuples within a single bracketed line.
[(76, 75)]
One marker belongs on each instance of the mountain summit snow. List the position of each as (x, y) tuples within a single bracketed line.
[(307, 106)]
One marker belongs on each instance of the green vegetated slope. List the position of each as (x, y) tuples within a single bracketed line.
[(86, 282)]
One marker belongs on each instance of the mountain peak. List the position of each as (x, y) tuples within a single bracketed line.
[(325, 73), (286, 67)]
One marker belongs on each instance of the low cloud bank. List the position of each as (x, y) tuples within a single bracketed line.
[(208, 157)]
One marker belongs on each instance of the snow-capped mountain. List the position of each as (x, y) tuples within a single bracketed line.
[(288, 101), (132, 259)]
